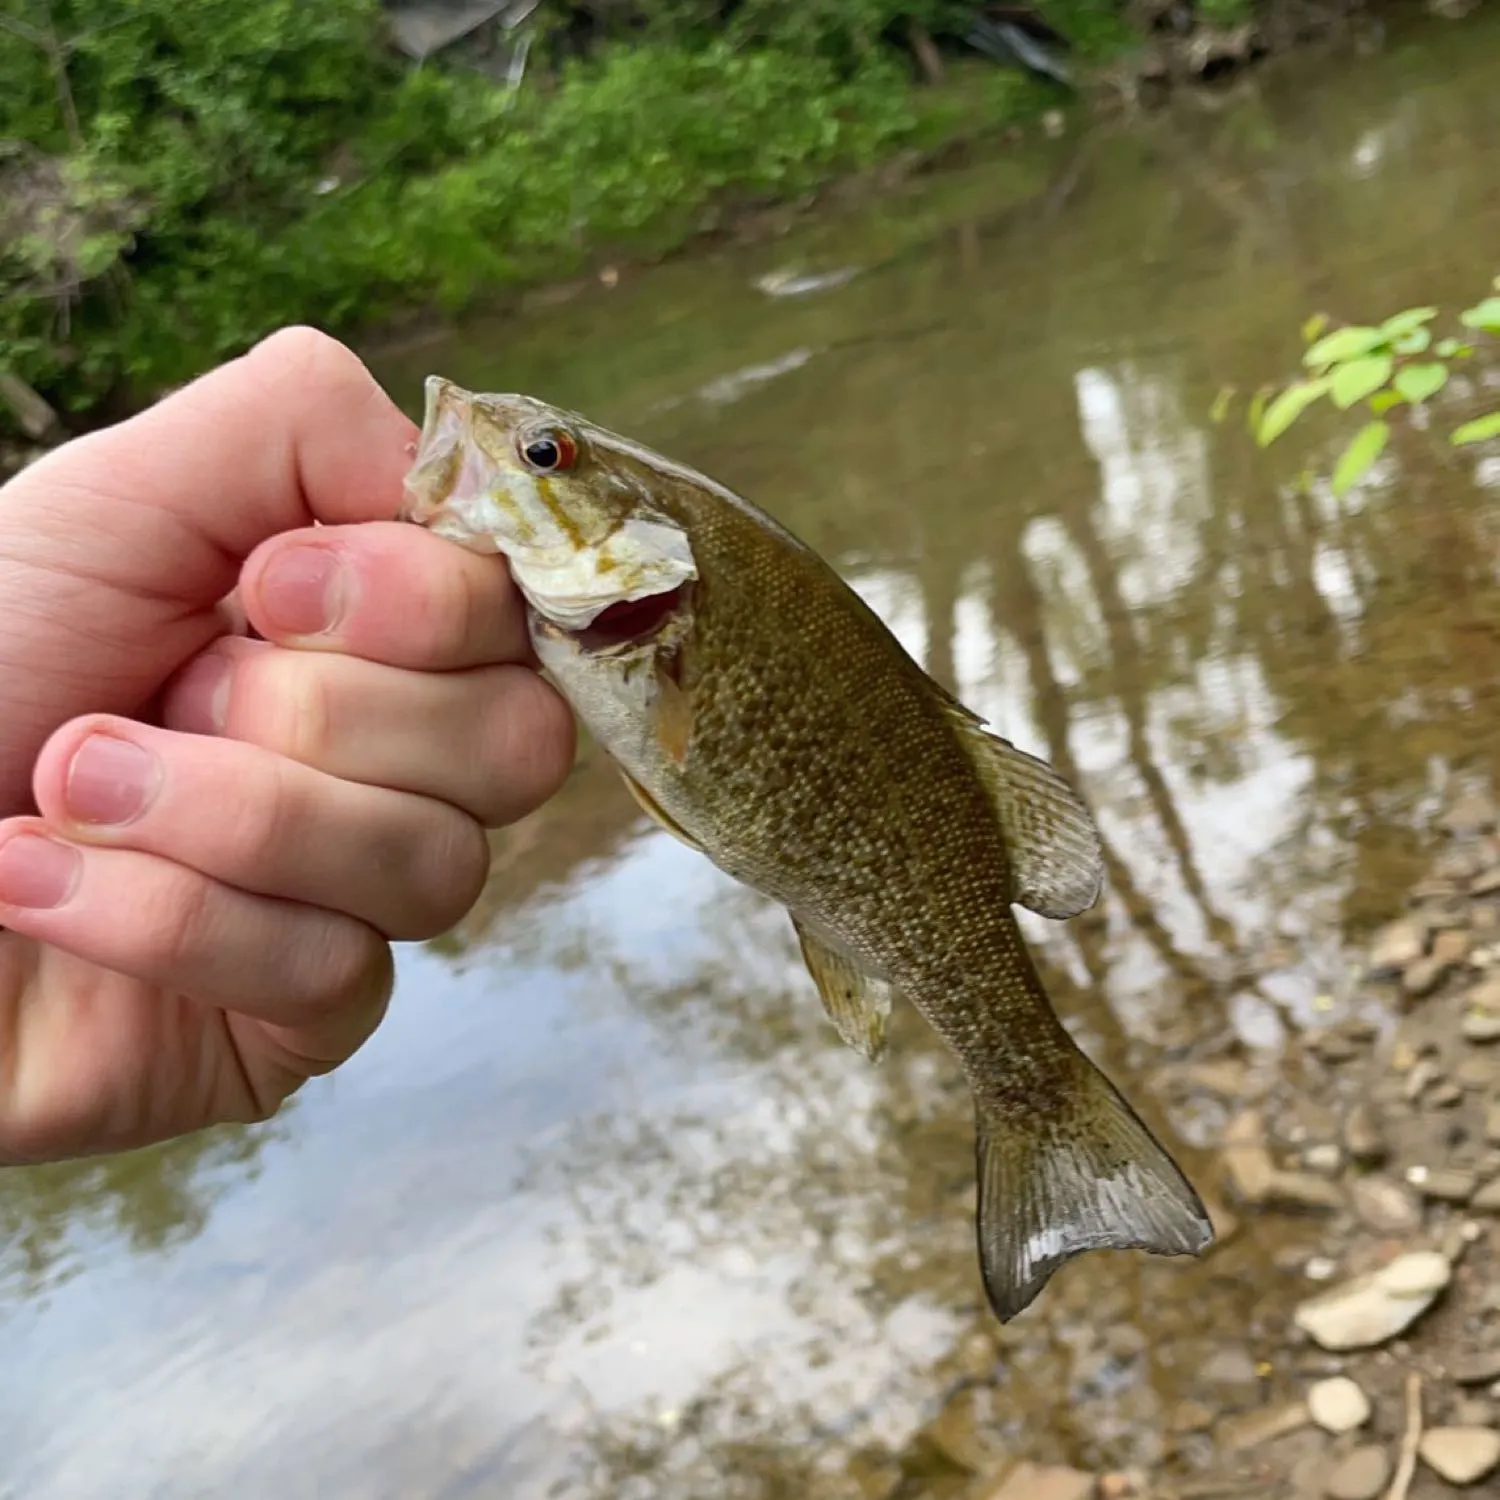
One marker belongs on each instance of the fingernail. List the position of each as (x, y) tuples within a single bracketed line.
[(301, 590), (37, 872), (200, 700), (110, 780)]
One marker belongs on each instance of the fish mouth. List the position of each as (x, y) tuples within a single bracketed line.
[(625, 625)]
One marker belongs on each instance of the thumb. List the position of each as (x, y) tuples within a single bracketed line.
[(116, 549)]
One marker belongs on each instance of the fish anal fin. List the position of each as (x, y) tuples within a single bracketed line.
[(1087, 1176), (1057, 862), (654, 810), (858, 1004)]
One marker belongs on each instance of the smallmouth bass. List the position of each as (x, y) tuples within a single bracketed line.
[(759, 710)]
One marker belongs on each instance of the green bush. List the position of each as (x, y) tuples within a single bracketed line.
[(178, 178)]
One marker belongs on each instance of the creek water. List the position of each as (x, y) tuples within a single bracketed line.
[(605, 1209)]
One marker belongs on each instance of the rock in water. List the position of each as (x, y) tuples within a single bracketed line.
[(1462, 1455), (1395, 946), (1385, 1206), (1360, 1476), (1045, 1482), (1375, 1307), (1338, 1405)]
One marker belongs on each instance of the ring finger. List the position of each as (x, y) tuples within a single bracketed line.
[(409, 866)]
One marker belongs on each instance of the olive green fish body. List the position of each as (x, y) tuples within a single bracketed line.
[(763, 712)]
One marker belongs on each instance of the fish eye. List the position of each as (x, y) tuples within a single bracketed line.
[(548, 450)]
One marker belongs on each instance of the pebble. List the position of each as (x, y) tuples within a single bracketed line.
[(1045, 1482), (1335, 1047), (1338, 1405), (1461, 1455), (1123, 1484), (1492, 1122), (1480, 1070), (1474, 1367), (1252, 1428), (1191, 1416), (1395, 946), (1449, 1185), (1486, 882), (1472, 813), (1247, 1162), (1481, 1026), (1451, 946), (1443, 1095), (1303, 1192), (1324, 1158), (1424, 1071), (1364, 1138), (1384, 1206), (1360, 1476), (1487, 1199), (1377, 1306), (1423, 975)]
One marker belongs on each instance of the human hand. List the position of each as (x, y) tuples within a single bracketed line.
[(222, 834)]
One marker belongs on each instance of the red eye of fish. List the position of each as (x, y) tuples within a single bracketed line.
[(550, 450)]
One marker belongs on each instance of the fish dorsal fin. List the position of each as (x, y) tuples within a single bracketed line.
[(858, 1005), (653, 810), (1057, 864)]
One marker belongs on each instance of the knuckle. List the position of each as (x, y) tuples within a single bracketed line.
[(288, 705), (177, 921), (457, 861), (337, 968), (437, 870), (536, 740), (300, 350)]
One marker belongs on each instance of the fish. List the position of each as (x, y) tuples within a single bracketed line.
[(759, 710)]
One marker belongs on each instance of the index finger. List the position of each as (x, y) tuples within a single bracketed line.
[(293, 432)]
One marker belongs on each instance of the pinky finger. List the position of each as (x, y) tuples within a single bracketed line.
[(284, 964)]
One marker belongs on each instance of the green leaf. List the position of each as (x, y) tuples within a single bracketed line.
[(1418, 382), (1346, 343), (1314, 326), (1477, 430), (1257, 409), (1384, 401), (1453, 349), (1412, 343), (1287, 407), (1485, 315), (1403, 322), (1360, 378), (1354, 463), (1222, 403)]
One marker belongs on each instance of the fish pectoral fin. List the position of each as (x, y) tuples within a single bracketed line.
[(653, 810), (858, 1004), (1057, 863), (1080, 1172)]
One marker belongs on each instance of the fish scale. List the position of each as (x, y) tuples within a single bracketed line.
[(761, 711)]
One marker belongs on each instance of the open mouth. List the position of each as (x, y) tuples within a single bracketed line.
[(632, 621)]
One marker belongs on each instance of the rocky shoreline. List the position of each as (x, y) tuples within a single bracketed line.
[(1381, 1379)]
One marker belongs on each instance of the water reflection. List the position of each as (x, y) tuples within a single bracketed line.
[(605, 1209)]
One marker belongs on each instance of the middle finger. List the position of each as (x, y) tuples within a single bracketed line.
[(496, 741)]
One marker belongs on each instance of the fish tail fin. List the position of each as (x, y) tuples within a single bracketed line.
[(1085, 1175)]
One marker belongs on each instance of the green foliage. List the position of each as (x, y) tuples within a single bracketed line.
[(1388, 367), (177, 178)]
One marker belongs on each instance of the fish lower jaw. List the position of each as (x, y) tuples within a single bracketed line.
[(615, 625)]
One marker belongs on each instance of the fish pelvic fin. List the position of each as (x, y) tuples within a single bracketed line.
[(1089, 1176), (858, 1004)]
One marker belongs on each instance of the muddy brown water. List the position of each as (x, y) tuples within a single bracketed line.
[(605, 1210)]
